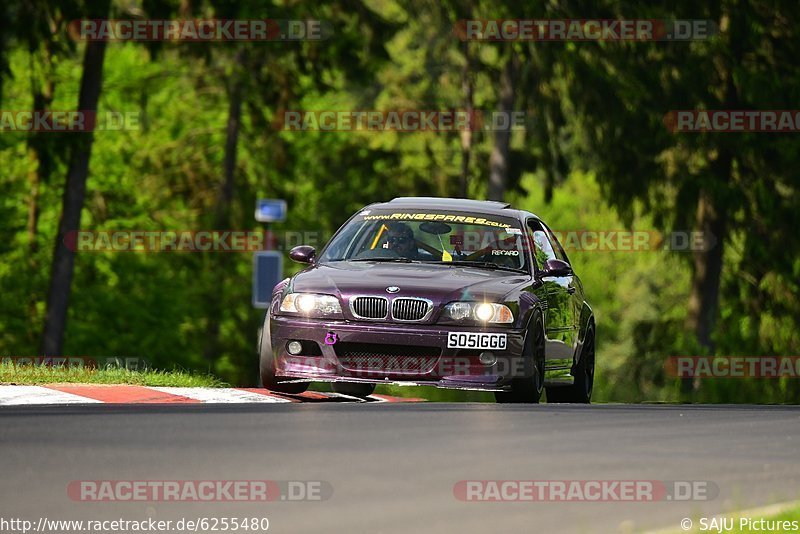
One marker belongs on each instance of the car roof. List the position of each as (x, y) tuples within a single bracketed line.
[(451, 203), (458, 204)]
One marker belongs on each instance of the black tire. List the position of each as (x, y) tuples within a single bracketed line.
[(353, 389), (580, 392), (529, 389), (267, 366)]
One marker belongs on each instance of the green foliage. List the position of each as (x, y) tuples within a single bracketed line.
[(31, 375), (595, 155)]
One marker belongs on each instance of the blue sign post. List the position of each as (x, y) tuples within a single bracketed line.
[(267, 264), (270, 210), (267, 272)]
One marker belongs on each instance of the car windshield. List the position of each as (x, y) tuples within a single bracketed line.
[(460, 238)]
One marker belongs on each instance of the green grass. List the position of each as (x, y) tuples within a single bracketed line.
[(774, 516), (789, 515), (30, 375), (792, 514)]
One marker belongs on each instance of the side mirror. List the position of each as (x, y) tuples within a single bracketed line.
[(303, 254), (556, 267)]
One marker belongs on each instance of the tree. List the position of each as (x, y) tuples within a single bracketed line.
[(715, 183), (499, 160), (74, 193)]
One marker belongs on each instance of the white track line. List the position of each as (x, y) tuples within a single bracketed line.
[(219, 395), (19, 395), (334, 395)]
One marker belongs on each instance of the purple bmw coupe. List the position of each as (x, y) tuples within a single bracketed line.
[(451, 293)]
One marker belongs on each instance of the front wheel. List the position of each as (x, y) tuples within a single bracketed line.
[(580, 392), (529, 389), (267, 366)]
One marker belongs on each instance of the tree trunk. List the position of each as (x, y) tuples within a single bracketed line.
[(72, 203), (552, 155), (712, 217), (222, 217), (466, 134), (499, 159), (707, 273)]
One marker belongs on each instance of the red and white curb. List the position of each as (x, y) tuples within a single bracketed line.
[(113, 394)]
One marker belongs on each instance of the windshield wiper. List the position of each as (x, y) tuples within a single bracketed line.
[(481, 264), (400, 260)]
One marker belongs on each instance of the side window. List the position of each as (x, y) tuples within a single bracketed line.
[(542, 248), (338, 247), (560, 254), (363, 236)]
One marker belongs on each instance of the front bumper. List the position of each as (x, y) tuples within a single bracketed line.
[(390, 353)]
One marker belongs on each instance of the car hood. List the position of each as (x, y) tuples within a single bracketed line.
[(439, 283)]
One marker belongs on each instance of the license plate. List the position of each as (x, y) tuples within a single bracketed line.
[(475, 340)]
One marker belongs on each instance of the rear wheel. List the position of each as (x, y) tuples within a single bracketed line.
[(352, 389), (580, 392), (529, 389), (267, 365)]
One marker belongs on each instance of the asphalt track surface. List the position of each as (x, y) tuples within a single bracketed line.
[(393, 467)]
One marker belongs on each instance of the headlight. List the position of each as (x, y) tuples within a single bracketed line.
[(484, 312), (459, 310), (311, 304)]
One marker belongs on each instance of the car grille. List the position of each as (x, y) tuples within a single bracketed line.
[(410, 309), (390, 359), (370, 307)]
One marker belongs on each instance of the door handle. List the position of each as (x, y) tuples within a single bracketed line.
[(571, 290)]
